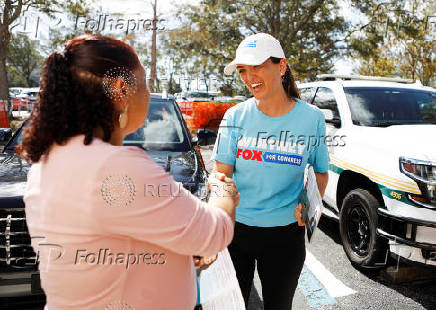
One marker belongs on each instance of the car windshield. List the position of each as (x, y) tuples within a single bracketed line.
[(162, 130), (15, 91), (381, 106), (198, 94)]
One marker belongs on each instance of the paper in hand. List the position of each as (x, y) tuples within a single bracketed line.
[(311, 200)]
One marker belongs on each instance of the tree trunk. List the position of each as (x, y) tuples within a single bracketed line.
[(275, 21), (170, 84), (153, 50), (4, 89)]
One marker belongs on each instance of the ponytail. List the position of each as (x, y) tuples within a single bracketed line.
[(55, 88), (288, 81)]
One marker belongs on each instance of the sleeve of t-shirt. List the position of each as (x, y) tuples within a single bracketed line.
[(135, 197), (319, 158), (226, 143)]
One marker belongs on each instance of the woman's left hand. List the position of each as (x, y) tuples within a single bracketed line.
[(298, 214)]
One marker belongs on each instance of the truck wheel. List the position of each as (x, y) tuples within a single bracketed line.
[(358, 228)]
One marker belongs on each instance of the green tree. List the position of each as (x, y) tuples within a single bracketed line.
[(397, 41), (11, 10), (312, 32), (24, 59)]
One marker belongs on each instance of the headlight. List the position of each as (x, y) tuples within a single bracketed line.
[(423, 172)]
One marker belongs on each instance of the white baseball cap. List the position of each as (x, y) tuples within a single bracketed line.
[(255, 50)]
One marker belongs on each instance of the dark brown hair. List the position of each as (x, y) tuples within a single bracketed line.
[(72, 99), (288, 80)]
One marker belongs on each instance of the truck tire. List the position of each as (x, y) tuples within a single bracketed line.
[(358, 228)]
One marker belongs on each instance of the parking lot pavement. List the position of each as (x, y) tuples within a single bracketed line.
[(328, 280)]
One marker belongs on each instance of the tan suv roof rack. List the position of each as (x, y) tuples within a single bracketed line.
[(334, 77)]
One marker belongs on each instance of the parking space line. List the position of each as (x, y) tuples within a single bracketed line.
[(334, 287), (315, 293)]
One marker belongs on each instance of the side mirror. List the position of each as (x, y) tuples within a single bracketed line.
[(206, 136), (330, 118)]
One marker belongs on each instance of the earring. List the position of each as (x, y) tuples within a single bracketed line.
[(123, 118)]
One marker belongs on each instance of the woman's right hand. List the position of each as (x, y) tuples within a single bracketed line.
[(222, 186)]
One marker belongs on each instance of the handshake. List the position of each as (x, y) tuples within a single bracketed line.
[(223, 195), (220, 185)]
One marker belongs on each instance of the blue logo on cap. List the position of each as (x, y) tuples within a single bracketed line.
[(251, 43)]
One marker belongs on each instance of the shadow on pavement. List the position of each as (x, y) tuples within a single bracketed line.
[(330, 227)]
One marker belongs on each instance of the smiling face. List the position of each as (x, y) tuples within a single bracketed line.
[(263, 80)]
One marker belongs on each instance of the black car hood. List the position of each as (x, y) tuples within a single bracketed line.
[(183, 166), (13, 174)]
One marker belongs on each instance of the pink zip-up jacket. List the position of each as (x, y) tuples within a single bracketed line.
[(113, 230)]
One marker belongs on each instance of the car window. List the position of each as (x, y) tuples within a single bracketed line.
[(162, 129), (325, 99), (307, 94), (382, 106), (15, 91), (197, 94)]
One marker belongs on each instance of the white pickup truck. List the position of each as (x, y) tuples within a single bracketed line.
[(381, 136)]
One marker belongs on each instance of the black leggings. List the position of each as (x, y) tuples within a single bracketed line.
[(279, 251)]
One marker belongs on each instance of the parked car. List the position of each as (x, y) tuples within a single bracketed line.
[(15, 91), (26, 99), (196, 96), (382, 170), (240, 98), (164, 137)]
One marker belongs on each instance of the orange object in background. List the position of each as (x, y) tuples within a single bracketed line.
[(186, 107), (4, 121), (207, 115), (16, 102)]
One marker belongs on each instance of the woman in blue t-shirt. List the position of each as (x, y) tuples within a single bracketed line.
[(265, 144)]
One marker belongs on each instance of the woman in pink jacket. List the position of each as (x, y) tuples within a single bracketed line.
[(103, 243)]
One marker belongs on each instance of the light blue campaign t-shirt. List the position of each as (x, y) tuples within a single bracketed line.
[(269, 155)]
